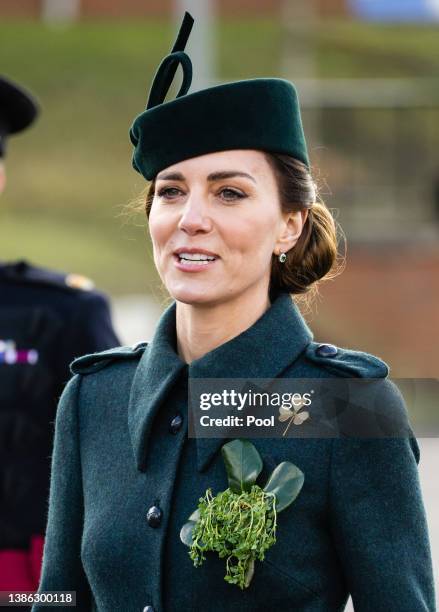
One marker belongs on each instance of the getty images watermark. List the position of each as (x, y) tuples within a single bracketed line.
[(312, 408)]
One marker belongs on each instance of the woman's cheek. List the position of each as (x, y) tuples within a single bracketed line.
[(158, 237), (157, 251)]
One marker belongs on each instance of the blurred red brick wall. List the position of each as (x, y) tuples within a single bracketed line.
[(331, 8), (20, 8), (125, 8), (248, 7), (131, 8), (139, 8), (385, 302)]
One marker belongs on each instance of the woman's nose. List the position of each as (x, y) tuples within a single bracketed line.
[(194, 216)]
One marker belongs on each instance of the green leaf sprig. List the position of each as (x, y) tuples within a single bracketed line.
[(238, 526), (240, 523)]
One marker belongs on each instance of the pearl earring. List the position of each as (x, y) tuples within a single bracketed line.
[(282, 257)]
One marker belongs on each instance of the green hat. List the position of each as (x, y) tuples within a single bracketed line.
[(259, 114)]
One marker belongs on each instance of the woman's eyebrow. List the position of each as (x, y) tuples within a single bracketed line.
[(170, 176), (225, 174), (214, 176)]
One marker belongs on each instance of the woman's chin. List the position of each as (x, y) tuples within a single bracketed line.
[(193, 295), (193, 299)]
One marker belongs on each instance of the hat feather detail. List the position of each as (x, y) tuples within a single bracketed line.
[(262, 114), (167, 69)]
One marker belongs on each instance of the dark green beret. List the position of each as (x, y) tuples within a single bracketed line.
[(18, 109), (259, 114)]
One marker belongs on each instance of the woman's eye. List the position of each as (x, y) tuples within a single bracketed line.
[(231, 194), (168, 193), (227, 194)]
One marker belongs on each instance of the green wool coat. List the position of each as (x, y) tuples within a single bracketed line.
[(357, 527)]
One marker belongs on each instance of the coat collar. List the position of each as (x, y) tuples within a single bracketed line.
[(264, 350)]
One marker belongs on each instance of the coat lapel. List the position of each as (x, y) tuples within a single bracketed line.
[(264, 350), (156, 373)]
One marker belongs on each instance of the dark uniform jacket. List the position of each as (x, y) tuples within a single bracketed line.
[(358, 525), (46, 320)]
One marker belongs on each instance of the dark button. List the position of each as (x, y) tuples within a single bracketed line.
[(176, 423), (154, 516), (326, 350), (148, 609)]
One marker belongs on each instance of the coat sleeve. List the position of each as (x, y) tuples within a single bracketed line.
[(378, 521), (62, 568)]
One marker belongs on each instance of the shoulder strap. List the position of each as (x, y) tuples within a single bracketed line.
[(97, 361), (345, 362)]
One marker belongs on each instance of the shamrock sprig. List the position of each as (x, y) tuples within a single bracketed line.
[(239, 526), (240, 523)]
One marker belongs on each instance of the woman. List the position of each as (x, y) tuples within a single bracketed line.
[(236, 230)]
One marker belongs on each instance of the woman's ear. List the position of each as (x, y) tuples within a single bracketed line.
[(291, 230)]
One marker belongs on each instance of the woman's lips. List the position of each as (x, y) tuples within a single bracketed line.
[(193, 266)]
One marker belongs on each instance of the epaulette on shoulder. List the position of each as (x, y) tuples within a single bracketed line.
[(345, 362), (22, 271), (97, 361)]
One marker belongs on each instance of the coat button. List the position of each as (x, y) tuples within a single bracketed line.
[(154, 516), (176, 423), (326, 350), (148, 609)]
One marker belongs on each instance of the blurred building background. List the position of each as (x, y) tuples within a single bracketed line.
[(367, 76), (140, 8), (367, 72)]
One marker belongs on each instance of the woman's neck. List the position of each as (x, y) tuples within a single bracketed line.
[(203, 327)]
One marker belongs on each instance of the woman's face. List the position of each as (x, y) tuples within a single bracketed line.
[(215, 222)]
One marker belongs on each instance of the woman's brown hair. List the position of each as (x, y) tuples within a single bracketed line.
[(315, 255)]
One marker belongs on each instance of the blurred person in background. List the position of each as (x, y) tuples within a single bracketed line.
[(46, 320)]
